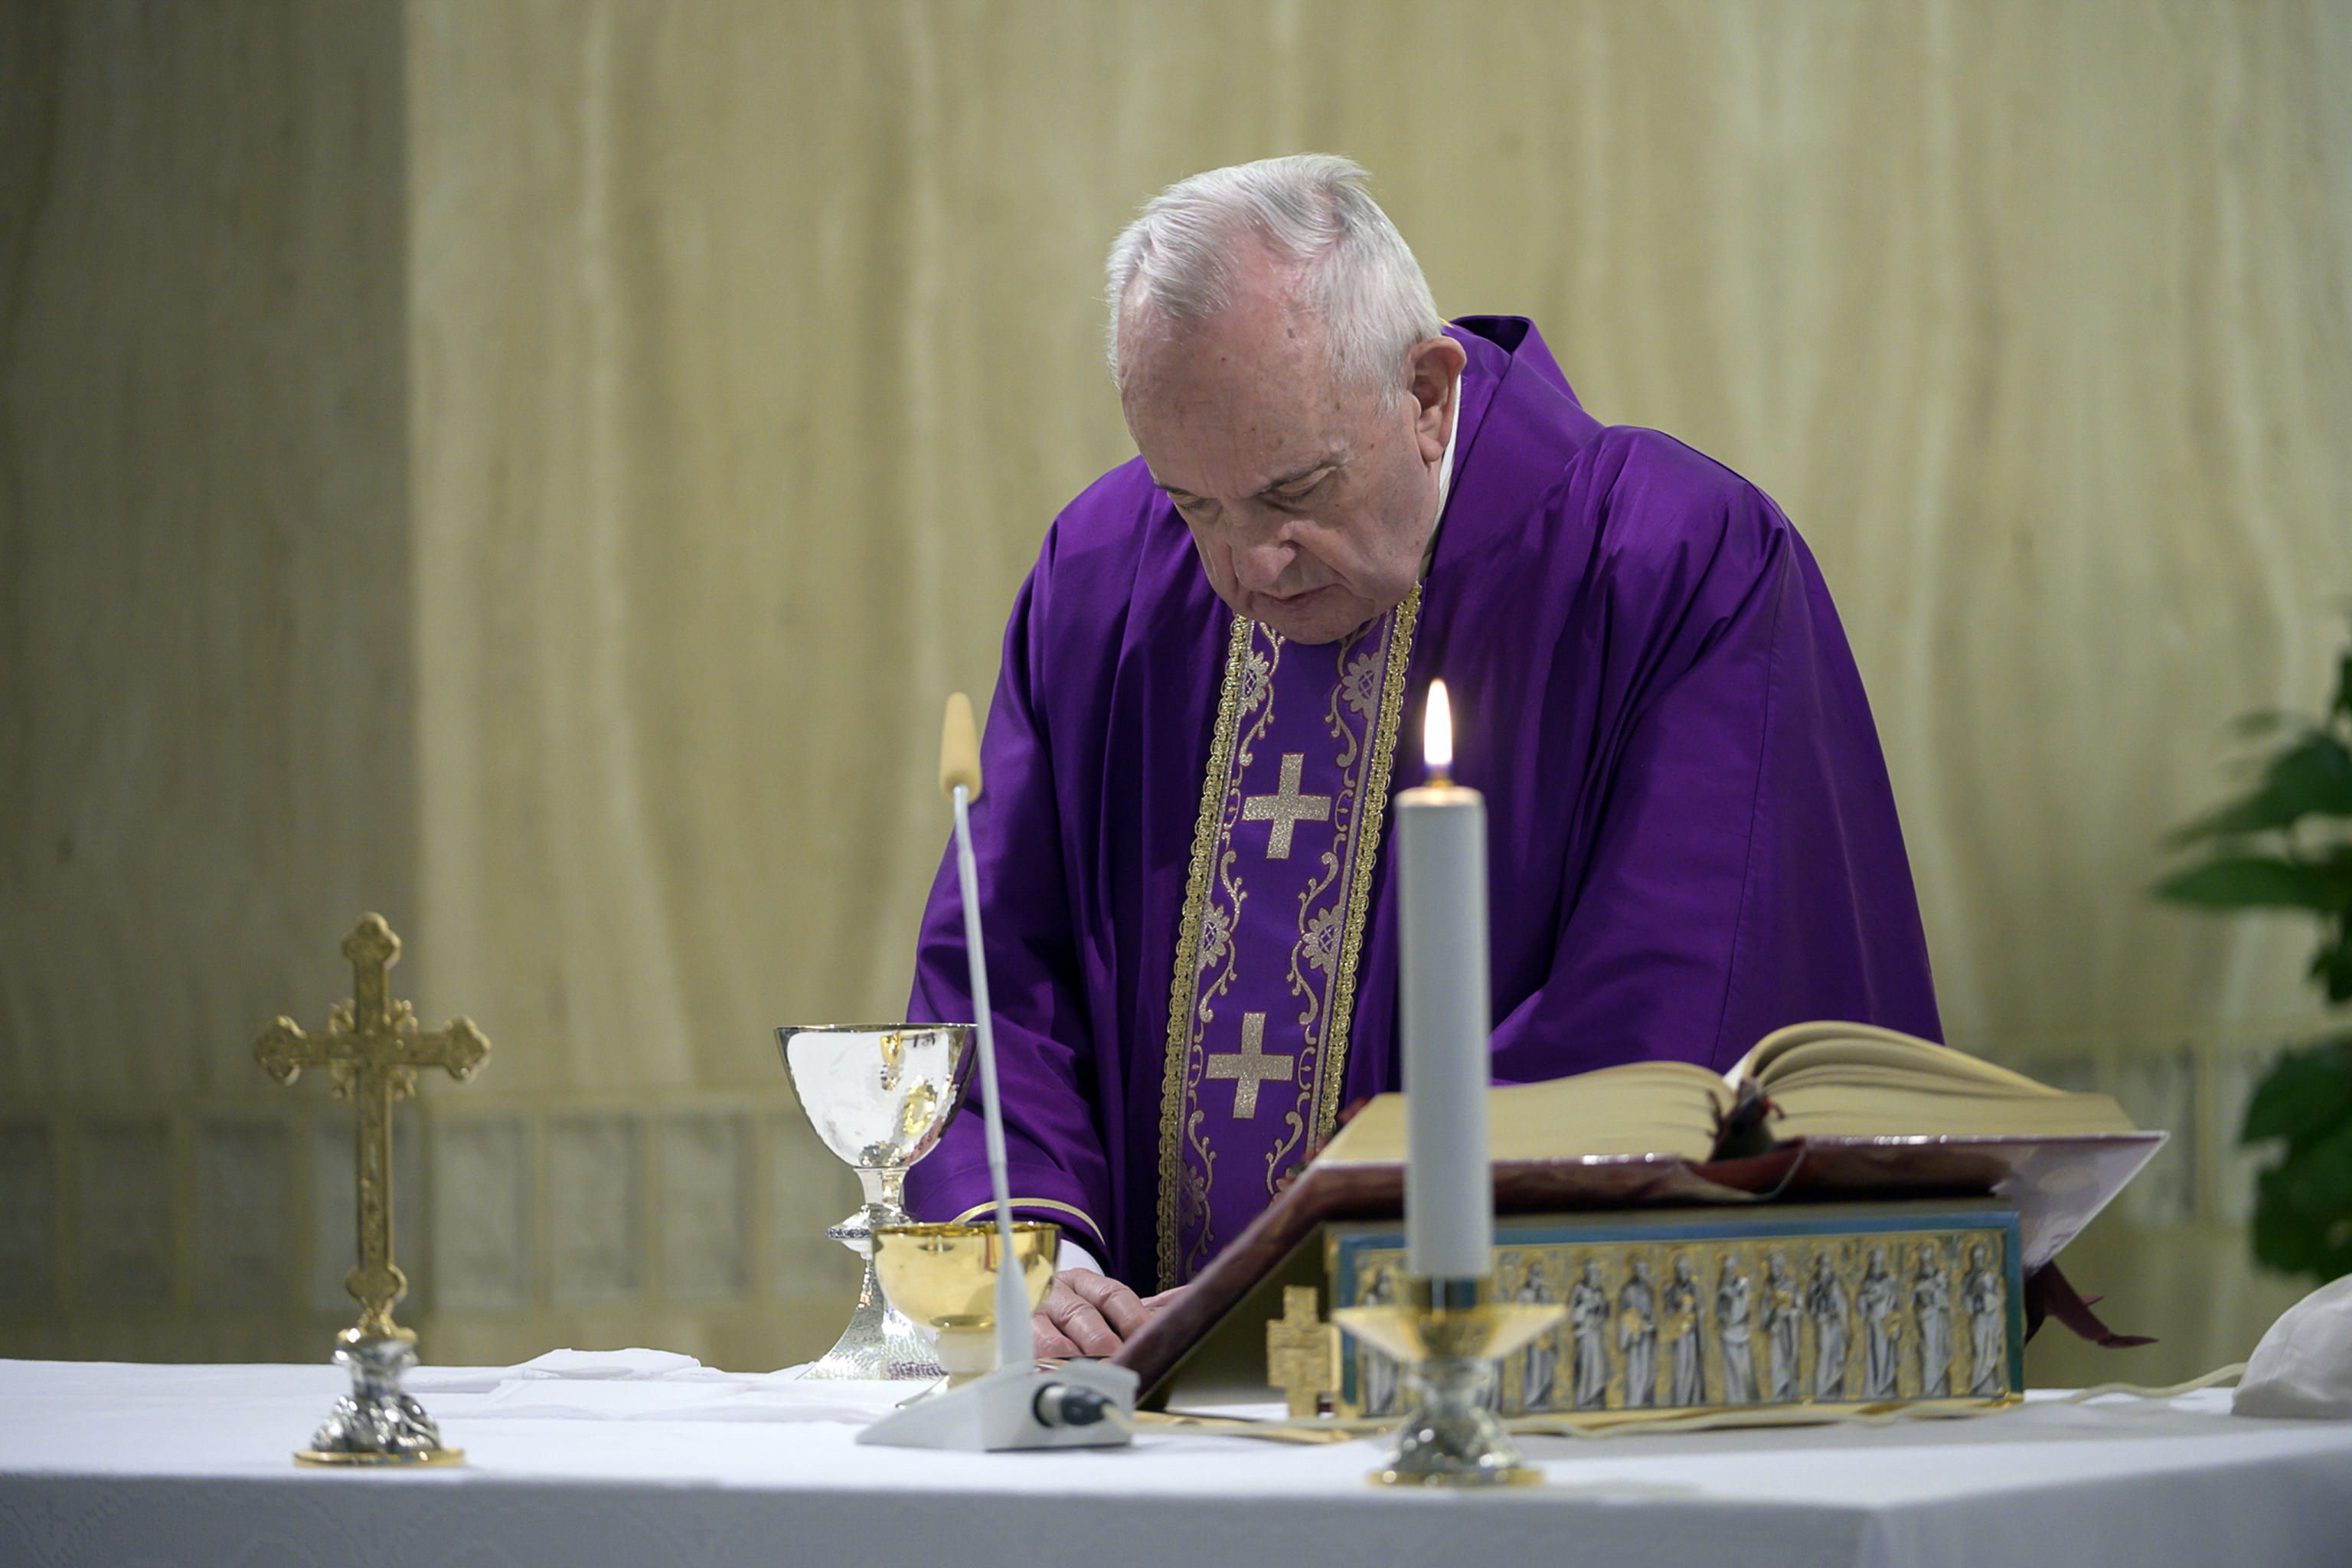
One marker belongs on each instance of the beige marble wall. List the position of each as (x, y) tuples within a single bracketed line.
[(593, 435), (206, 688)]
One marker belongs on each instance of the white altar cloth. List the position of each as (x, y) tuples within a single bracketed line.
[(638, 1459)]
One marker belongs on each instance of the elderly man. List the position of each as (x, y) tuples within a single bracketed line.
[(1195, 734)]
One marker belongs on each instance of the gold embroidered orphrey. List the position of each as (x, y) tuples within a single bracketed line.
[(372, 1050), (1248, 678)]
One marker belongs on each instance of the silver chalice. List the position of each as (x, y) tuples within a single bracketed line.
[(879, 1095)]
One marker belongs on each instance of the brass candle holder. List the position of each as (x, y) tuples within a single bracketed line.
[(1448, 1335)]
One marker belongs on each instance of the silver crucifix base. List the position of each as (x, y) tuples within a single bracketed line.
[(375, 1423)]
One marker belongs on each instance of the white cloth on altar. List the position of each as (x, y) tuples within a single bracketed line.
[(591, 1459)]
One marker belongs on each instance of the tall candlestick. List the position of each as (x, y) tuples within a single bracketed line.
[(1441, 830)]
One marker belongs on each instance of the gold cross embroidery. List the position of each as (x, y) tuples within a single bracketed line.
[(372, 1050), (1286, 807), (1250, 1065)]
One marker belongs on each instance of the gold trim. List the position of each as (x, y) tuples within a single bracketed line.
[(1184, 982), (978, 1209), (1371, 819)]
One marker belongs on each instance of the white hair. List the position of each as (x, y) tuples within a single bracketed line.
[(1182, 257)]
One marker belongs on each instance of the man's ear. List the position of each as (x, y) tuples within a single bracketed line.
[(1434, 380)]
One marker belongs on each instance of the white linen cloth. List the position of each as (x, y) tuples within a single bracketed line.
[(2303, 1366), (643, 1458)]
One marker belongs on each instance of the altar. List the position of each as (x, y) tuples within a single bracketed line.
[(641, 1457)]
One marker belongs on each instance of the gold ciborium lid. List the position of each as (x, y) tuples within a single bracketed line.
[(944, 1278)]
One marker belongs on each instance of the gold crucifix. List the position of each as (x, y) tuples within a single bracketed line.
[(1299, 1352), (372, 1048), (1250, 1067), (1286, 808)]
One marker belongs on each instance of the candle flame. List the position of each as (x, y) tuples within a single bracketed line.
[(1437, 732)]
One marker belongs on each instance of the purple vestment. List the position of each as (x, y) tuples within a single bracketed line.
[(1692, 840)]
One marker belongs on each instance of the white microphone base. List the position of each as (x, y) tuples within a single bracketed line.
[(1023, 1406)]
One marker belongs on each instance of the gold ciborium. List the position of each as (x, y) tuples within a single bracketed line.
[(944, 1278), (1448, 1335), (879, 1095)]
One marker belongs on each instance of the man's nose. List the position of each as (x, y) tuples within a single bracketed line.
[(1260, 562)]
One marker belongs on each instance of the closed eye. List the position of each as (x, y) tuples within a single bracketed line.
[(1298, 490)]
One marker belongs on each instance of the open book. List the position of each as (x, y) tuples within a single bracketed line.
[(1808, 1080), (1817, 1113)]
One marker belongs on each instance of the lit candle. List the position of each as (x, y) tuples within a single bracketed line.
[(1449, 1210)]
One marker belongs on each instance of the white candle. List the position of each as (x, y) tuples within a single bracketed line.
[(1441, 829)]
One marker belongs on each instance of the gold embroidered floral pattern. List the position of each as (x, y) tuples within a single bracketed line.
[(1216, 932), (1320, 943)]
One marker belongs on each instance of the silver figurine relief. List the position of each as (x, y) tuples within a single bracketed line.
[(1879, 1300), (1588, 1329), (1686, 1377), (1783, 1324), (1735, 1326), (1931, 1304), (1637, 1336), (1725, 1321), (1982, 1299), (1539, 1362)]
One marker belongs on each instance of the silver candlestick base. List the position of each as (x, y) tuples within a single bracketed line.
[(1448, 1335), (375, 1423)]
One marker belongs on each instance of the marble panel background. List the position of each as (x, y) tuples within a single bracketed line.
[(532, 468)]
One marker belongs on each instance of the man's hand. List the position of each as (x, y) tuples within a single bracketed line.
[(1087, 1313)]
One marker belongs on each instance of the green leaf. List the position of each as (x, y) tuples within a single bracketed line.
[(2249, 882), (2311, 778), (2284, 1238), (2304, 1093), (2332, 967), (2343, 703), (2318, 1178)]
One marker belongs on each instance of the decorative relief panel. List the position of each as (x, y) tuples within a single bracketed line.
[(125, 1221), (482, 1229), (808, 1190), (595, 1184), (28, 1217), (518, 1217), (246, 1200), (704, 1227), (2159, 1089)]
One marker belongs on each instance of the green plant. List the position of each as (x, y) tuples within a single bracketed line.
[(2286, 843)]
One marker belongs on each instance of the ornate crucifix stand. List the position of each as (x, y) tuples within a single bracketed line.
[(372, 1050)]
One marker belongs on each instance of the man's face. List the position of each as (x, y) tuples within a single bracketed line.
[(1309, 504)]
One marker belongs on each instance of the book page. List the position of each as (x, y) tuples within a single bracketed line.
[(1825, 1046), (1641, 1107)]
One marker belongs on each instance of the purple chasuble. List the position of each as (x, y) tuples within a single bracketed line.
[(1691, 839)]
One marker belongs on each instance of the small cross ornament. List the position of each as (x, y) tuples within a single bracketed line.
[(1299, 1352), (372, 1048)]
